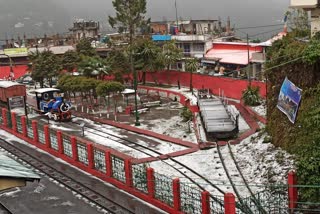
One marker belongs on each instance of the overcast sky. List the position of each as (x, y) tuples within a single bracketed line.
[(61, 13)]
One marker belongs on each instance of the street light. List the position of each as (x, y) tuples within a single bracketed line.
[(135, 87)]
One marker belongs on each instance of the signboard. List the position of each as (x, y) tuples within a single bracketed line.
[(16, 102), (14, 51), (289, 99)]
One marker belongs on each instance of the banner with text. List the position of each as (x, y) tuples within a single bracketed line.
[(289, 99)]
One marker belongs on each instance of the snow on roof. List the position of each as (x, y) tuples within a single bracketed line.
[(11, 168), (54, 49), (272, 40), (235, 43), (7, 84), (43, 90), (128, 91), (239, 57)]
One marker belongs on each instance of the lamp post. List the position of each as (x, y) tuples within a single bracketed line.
[(248, 49), (135, 87)]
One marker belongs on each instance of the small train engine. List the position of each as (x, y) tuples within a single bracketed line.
[(51, 103)]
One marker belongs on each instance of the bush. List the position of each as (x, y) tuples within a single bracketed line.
[(186, 114), (251, 96)]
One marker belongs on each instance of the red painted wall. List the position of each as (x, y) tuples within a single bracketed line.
[(18, 70), (232, 87)]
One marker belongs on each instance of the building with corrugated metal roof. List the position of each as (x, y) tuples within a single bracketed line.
[(13, 174)]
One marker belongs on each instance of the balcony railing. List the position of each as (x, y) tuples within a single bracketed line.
[(190, 37)]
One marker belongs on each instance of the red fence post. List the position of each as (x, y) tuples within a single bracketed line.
[(292, 191), (24, 126), (14, 121), (229, 203), (90, 156), (176, 194), (35, 131), (74, 148), (4, 117), (128, 172), (108, 164), (60, 142), (150, 182), (46, 136), (205, 202)]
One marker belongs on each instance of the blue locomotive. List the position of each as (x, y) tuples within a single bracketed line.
[(51, 103)]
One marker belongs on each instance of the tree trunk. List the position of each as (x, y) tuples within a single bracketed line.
[(191, 86), (154, 78), (144, 77)]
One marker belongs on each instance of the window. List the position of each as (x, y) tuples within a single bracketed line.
[(199, 47)]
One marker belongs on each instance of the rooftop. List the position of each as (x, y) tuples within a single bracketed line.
[(7, 84), (11, 168)]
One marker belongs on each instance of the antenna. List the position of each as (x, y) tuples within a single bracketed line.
[(175, 5)]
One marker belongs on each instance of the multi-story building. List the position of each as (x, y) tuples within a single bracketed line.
[(314, 7), (194, 37), (85, 29)]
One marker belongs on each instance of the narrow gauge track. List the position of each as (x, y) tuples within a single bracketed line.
[(4, 209), (81, 189), (142, 149), (247, 189)]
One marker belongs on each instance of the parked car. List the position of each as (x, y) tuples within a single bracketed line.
[(26, 79)]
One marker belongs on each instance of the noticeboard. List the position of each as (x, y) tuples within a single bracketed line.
[(16, 102), (15, 51)]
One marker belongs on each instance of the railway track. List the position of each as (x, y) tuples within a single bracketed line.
[(180, 167), (4, 209), (102, 132), (244, 189), (102, 203)]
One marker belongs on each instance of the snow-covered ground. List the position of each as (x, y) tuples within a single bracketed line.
[(261, 163), (260, 109)]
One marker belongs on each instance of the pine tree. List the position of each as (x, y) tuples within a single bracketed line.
[(130, 16)]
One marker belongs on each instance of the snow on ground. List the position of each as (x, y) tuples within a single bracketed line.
[(162, 147), (243, 125), (261, 163), (260, 109), (187, 93), (173, 127)]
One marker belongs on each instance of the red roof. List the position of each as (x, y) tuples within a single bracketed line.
[(18, 70), (232, 53)]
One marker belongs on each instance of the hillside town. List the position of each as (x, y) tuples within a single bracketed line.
[(188, 115)]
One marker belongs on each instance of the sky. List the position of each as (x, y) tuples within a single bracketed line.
[(52, 16)]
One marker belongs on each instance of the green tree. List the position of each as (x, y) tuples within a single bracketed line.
[(118, 61), (130, 16), (192, 65), (104, 89), (147, 55), (172, 53), (251, 96), (45, 65), (93, 67), (299, 22), (84, 48), (70, 61)]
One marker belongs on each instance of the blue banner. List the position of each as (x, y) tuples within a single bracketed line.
[(289, 99)]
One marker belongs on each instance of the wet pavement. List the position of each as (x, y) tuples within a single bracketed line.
[(50, 198)]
